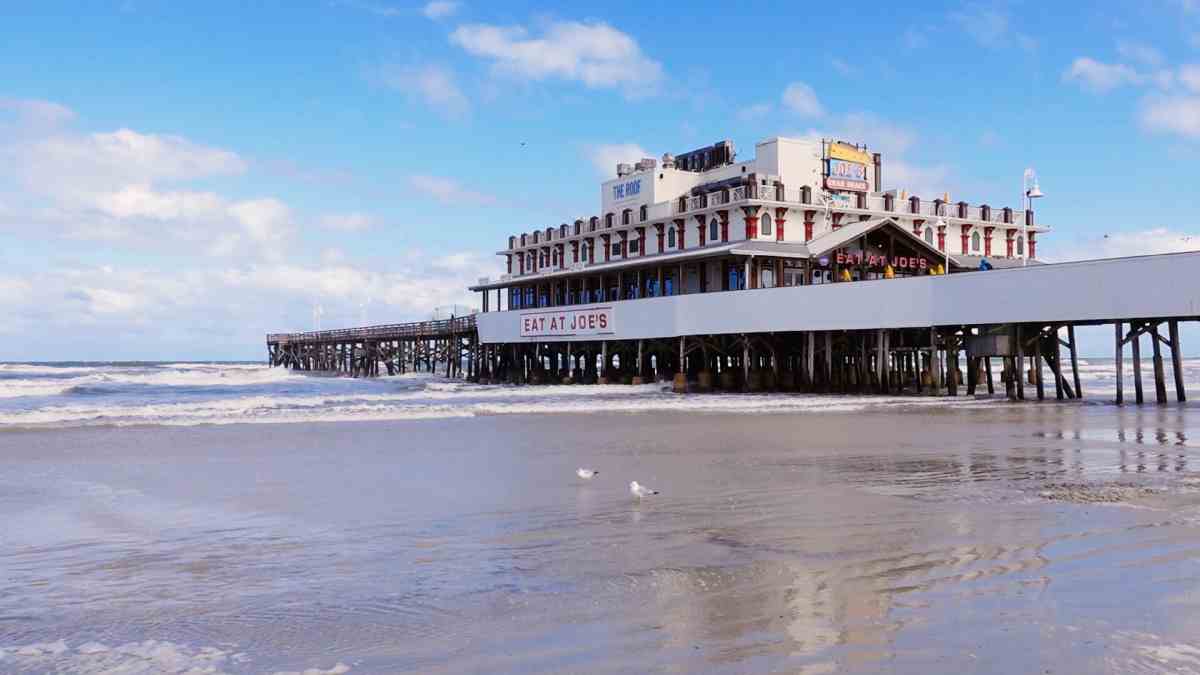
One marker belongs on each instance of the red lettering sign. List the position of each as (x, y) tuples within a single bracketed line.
[(597, 321)]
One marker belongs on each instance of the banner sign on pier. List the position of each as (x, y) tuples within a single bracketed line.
[(568, 322)]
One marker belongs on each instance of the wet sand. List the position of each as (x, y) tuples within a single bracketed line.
[(1003, 538)]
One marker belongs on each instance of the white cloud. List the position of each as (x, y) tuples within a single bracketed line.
[(439, 9), (141, 201), (37, 112), (1189, 76), (1101, 77), (991, 27), (1117, 244), (595, 54), (347, 222), (448, 190), (436, 85), (605, 157), (801, 99), (1172, 114), (1144, 54)]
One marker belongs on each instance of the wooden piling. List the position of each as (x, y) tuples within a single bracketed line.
[(1176, 360), (1135, 331), (1160, 381), (1118, 359)]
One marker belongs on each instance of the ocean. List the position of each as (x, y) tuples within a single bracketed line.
[(232, 518)]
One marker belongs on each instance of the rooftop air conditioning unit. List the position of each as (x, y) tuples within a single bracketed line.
[(624, 169), (646, 164)]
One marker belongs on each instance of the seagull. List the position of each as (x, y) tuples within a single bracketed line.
[(640, 490), (586, 474)]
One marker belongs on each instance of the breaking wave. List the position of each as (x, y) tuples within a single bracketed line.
[(181, 394)]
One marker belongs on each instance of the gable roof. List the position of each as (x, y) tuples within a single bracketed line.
[(843, 236)]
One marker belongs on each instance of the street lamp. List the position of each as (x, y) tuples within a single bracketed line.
[(1029, 192)]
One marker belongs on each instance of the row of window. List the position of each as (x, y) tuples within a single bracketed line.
[(976, 241)]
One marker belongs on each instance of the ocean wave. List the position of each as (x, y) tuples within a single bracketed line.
[(149, 656)]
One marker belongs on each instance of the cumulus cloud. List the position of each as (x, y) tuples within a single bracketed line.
[(1178, 115), (1101, 77), (801, 99), (1117, 244), (593, 53), (448, 190), (439, 9), (991, 27), (1136, 51), (435, 85), (606, 156), (37, 112)]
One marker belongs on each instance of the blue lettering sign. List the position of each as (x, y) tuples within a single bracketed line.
[(627, 190)]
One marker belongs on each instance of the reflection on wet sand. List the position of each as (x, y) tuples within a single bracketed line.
[(1005, 539)]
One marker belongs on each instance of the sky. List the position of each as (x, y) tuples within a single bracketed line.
[(178, 179)]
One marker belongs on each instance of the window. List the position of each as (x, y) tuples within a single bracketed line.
[(616, 249), (975, 238), (633, 245), (1020, 245), (643, 212), (767, 277), (608, 220), (625, 216), (929, 235), (671, 237), (713, 230), (766, 225)]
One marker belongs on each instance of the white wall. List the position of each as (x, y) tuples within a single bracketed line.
[(1148, 286)]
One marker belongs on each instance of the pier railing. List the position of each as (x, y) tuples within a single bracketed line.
[(442, 327)]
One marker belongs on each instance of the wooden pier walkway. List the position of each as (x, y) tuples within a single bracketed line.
[(449, 346)]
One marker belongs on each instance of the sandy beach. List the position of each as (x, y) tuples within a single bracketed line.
[(1014, 538)]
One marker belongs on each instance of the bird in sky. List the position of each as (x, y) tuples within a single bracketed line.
[(586, 474), (640, 491)]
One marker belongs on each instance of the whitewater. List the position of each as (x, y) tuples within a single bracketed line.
[(179, 394)]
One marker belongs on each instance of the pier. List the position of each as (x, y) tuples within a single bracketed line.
[(449, 346), (921, 335)]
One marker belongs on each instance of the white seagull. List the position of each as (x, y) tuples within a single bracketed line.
[(586, 474), (638, 490)]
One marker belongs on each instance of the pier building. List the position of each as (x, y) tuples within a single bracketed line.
[(792, 270)]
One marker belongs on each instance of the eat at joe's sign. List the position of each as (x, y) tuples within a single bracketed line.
[(596, 321)]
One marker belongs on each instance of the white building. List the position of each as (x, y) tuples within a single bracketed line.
[(800, 212)]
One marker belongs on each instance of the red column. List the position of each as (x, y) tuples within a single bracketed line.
[(605, 241), (1008, 239), (562, 256), (591, 250), (662, 235), (837, 220), (966, 229), (987, 240), (521, 262), (942, 238), (751, 213), (1032, 243), (509, 257), (641, 240), (575, 251), (681, 229), (917, 226), (808, 224), (624, 243), (724, 216), (700, 221), (780, 220)]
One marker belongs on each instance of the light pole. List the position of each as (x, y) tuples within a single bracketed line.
[(942, 227), (1029, 192)]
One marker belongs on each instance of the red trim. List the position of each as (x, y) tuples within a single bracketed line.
[(780, 221)]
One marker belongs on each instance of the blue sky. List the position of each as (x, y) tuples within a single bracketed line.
[(175, 181)]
